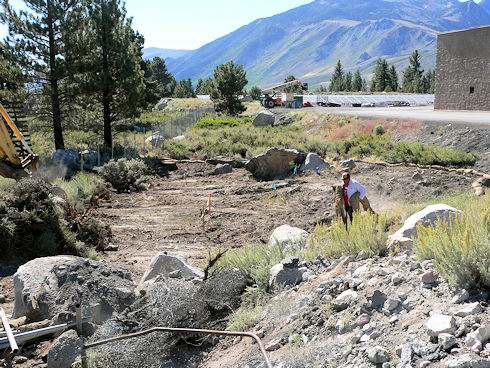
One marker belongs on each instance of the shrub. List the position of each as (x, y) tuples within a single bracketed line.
[(379, 129), (460, 248), (209, 123), (33, 224), (126, 175), (366, 233), (80, 187), (244, 318)]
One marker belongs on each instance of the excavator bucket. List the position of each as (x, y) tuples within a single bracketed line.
[(15, 154)]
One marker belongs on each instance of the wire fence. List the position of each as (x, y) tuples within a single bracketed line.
[(174, 128)]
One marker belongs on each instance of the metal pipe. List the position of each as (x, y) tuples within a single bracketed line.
[(31, 335), (189, 331), (10, 335)]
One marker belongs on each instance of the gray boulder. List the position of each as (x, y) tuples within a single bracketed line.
[(283, 275), (440, 323), (45, 287), (467, 361), (264, 118), (65, 350), (313, 161), (348, 164), (274, 163), (222, 169), (428, 216), (164, 264), (288, 237)]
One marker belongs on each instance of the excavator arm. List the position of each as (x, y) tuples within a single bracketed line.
[(15, 153)]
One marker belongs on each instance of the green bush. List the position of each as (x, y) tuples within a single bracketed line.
[(126, 175), (366, 233), (34, 224), (80, 187), (379, 129), (460, 248), (209, 123)]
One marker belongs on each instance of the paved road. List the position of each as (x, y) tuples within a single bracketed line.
[(479, 119)]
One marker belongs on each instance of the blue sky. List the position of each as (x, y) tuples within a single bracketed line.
[(189, 24)]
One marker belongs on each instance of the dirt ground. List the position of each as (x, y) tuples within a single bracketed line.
[(169, 217)]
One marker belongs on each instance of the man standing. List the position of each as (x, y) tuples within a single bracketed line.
[(354, 193)]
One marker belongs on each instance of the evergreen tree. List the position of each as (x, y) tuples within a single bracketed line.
[(229, 81), (152, 92), (38, 36), (393, 79), (381, 76), (337, 81), (364, 85), (255, 93), (184, 89), (412, 76), (432, 82), (112, 68), (407, 80), (348, 82), (373, 87), (205, 87), (11, 78), (357, 81), (163, 78)]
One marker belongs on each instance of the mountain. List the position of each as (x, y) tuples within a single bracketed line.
[(151, 52), (308, 40)]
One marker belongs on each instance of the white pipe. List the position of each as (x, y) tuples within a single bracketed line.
[(10, 335), (26, 336)]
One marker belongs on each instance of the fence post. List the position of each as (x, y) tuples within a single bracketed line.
[(134, 139), (125, 143), (81, 157)]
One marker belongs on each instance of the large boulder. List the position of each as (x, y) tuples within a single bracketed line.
[(312, 162), (428, 216), (65, 350), (163, 264), (286, 273), (50, 287), (288, 237), (274, 163), (264, 118)]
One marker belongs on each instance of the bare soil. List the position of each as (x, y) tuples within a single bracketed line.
[(169, 217)]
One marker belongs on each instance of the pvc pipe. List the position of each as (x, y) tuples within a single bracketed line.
[(31, 335), (10, 335)]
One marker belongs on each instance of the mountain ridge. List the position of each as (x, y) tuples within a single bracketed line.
[(308, 40)]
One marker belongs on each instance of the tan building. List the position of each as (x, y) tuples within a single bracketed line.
[(463, 70)]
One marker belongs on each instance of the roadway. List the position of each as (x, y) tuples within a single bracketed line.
[(477, 119)]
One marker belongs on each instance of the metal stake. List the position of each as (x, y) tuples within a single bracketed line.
[(10, 335)]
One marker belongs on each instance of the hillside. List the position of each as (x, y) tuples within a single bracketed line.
[(151, 52), (307, 41)]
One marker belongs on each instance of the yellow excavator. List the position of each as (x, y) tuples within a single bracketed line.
[(16, 157)]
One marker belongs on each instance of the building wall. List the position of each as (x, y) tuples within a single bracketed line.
[(463, 70)]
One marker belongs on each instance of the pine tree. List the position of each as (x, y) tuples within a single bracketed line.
[(357, 81), (162, 77), (11, 78), (38, 35), (348, 82), (184, 89), (229, 81), (412, 76), (394, 79), (114, 51), (381, 76), (337, 81), (204, 87)]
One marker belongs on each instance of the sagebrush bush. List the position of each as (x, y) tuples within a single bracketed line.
[(460, 248), (79, 188), (126, 175), (33, 223), (379, 129), (366, 233)]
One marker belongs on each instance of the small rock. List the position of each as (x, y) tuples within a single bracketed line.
[(391, 304), (378, 355), (363, 319), (20, 359), (290, 262), (344, 300), (417, 177), (397, 279), (460, 297), (3, 299), (111, 248), (348, 164), (429, 277), (480, 335), (447, 341), (440, 323), (273, 345), (467, 361), (470, 309), (424, 364), (64, 350)]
